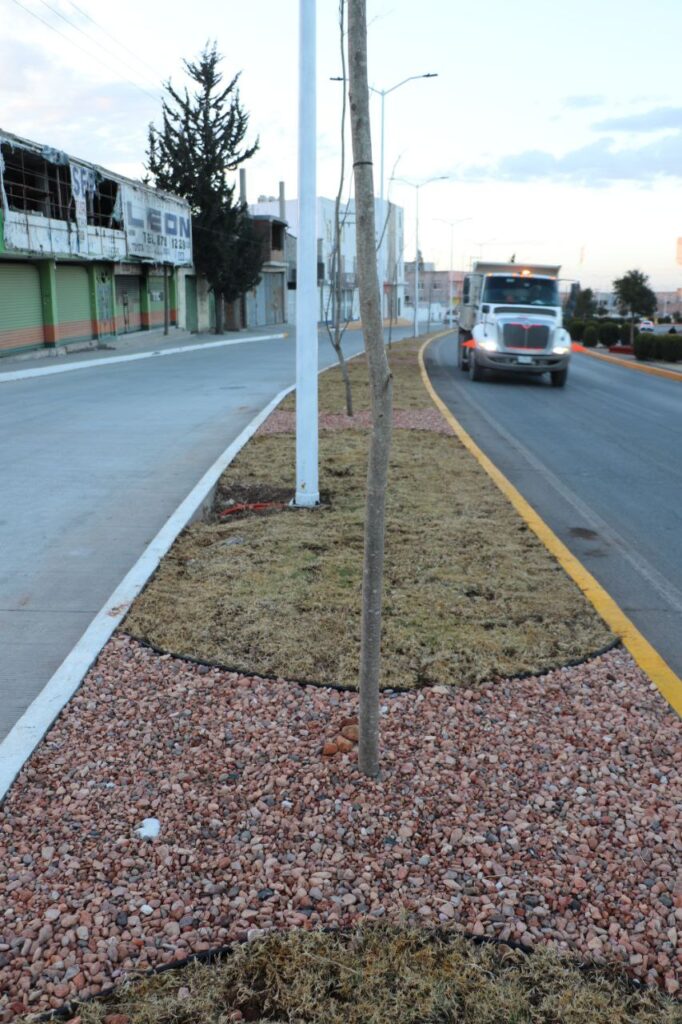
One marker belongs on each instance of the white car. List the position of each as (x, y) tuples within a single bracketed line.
[(646, 325), (450, 316)]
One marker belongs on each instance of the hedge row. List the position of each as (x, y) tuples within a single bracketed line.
[(667, 347), (606, 332)]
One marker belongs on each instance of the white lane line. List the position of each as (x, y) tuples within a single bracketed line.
[(26, 734), (89, 364)]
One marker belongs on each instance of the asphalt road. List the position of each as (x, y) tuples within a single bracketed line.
[(600, 462), (92, 463)]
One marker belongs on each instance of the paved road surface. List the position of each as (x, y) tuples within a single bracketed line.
[(92, 463), (600, 461)]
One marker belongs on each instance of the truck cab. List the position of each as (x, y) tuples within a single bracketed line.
[(511, 320)]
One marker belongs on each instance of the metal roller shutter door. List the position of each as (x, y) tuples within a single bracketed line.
[(73, 304), (21, 309), (156, 288), (128, 312)]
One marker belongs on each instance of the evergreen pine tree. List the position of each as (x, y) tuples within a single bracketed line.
[(201, 138)]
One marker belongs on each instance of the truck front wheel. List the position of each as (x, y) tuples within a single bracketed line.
[(559, 377), (462, 353), (475, 371)]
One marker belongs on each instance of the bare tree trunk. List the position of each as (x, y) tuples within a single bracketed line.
[(381, 388), (336, 334)]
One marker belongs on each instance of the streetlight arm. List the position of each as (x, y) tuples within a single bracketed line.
[(385, 92)]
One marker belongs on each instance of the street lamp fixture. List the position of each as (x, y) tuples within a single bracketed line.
[(384, 93), (416, 185), (452, 224)]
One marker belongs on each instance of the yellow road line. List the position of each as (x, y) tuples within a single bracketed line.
[(648, 659), (654, 371)]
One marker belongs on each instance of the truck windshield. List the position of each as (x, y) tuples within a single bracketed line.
[(521, 291)]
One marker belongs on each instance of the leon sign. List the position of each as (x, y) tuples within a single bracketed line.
[(157, 227)]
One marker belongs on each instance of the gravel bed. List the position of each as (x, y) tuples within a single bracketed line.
[(282, 421), (546, 809)]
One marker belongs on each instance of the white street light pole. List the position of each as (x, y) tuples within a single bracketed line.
[(416, 186), (384, 93), (452, 224), (307, 485)]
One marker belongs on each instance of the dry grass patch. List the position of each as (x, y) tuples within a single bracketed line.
[(386, 976), (471, 594)]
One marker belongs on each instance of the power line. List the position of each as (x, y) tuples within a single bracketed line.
[(92, 39), (112, 37), (82, 48)]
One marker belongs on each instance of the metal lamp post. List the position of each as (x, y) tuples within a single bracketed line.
[(452, 224), (416, 186), (384, 93), (307, 485)]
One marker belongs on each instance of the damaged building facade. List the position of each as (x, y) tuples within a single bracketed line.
[(87, 254)]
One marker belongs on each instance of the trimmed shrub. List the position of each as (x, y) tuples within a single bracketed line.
[(645, 346), (673, 330), (576, 329), (609, 333), (591, 336), (670, 348)]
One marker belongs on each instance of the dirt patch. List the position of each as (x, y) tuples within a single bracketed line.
[(470, 593)]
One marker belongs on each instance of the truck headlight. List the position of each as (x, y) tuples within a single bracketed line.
[(562, 342), (488, 344)]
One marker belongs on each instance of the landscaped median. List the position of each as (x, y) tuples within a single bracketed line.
[(534, 810)]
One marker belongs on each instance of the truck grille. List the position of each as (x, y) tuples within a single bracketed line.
[(525, 335)]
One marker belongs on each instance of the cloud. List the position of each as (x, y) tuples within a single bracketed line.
[(594, 165), (579, 102), (655, 120), (19, 62)]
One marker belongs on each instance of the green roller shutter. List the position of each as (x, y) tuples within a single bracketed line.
[(21, 311), (128, 312), (73, 304), (191, 317), (156, 287)]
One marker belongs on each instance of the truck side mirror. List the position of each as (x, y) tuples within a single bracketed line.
[(485, 309)]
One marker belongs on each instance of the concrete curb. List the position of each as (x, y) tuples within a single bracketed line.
[(654, 371), (27, 733), (89, 364), (644, 653)]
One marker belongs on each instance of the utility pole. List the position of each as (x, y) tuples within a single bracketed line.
[(307, 484)]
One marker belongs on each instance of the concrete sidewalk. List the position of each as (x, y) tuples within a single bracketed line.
[(126, 344)]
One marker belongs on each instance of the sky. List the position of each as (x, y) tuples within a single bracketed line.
[(557, 127)]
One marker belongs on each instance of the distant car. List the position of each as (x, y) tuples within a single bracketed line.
[(450, 316), (646, 325)]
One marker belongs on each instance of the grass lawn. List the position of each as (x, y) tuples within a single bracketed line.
[(381, 975), (470, 593)]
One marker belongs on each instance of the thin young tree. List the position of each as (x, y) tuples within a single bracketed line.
[(202, 138), (339, 322), (381, 390)]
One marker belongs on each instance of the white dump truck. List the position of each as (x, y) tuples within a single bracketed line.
[(511, 319)]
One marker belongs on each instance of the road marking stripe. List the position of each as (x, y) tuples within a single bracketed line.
[(655, 371), (89, 364), (647, 657)]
